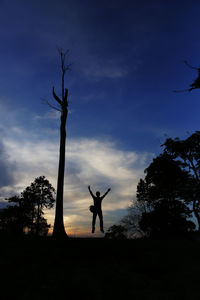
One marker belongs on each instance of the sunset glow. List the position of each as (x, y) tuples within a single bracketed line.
[(126, 61)]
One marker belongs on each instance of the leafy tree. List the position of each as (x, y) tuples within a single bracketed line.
[(165, 178), (116, 232), (37, 196), (165, 182), (131, 221), (27, 213), (160, 208), (12, 220), (136, 209), (188, 152), (25, 208), (167, 219), (41, 227)]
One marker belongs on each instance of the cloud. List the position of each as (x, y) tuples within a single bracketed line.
[(6, 167), (50, 114), (98, 69), (94, 162)]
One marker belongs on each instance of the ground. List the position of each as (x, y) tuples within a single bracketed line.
[(99, 269)]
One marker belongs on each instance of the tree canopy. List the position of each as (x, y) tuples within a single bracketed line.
[(168, 197), (188, 152), (25, 212)]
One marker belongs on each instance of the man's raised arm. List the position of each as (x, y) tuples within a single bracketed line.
[(106, 193), (90, 191)]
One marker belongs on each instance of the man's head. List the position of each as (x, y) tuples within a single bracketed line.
[(98, 194)]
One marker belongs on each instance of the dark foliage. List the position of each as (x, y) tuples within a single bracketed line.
[(161, 208), (169, 218), (13, 220), (188, 152), (27, 213), (166, 213), (39, 195), (116, 232)]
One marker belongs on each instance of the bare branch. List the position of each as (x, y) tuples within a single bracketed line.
[(63, 66), (182, 91), (67, 68), (60, 51), (55, 108), (56, 97), (50, 105), (195, 84), (189, 66), (62, 56)]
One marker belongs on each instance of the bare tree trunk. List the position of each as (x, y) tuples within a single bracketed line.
[(59, 229)]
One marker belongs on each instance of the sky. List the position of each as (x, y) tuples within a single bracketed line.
[(127, 58)]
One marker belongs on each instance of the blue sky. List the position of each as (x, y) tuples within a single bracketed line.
[(127, 58)]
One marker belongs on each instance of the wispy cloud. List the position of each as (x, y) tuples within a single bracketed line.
[(49, 115), (88, 162), (7, 167), (109, 72), (107, 69)]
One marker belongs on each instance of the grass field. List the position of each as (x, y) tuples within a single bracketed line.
[(99, 269)]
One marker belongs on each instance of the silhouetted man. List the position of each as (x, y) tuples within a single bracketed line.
[(97, 208)]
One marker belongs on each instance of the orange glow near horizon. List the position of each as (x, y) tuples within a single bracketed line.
[(78, 232)]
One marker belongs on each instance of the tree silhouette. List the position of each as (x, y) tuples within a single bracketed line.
[(161, 205), (117, 232), (167, 219), (188, 151), (196, 82), (59, 229), (164, 192), (39, 195), (26, 212), (13, 220)]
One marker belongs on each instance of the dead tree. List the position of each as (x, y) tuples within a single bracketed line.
[(59, 229)]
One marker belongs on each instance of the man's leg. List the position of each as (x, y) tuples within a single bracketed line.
[(101, 220), (93, 221)]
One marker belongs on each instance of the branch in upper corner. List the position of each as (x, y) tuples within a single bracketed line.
[(189, 66), (195, 84), (182, 91)]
